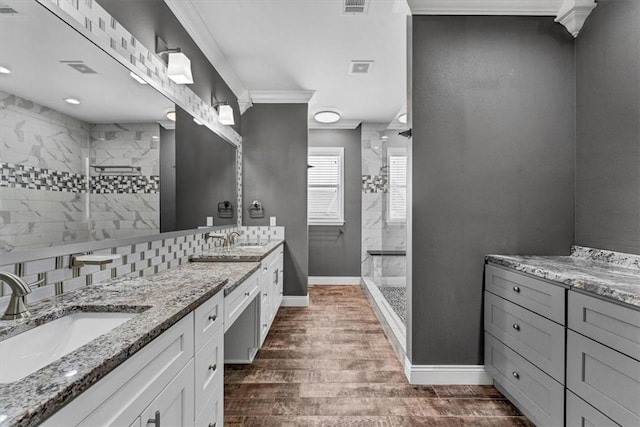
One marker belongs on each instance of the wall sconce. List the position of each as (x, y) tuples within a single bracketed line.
[(178, 64), (225, 112)]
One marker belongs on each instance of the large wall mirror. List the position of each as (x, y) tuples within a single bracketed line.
[(110, 166)]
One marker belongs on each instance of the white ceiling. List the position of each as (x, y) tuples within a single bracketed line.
[(289, 45), (32, 44)]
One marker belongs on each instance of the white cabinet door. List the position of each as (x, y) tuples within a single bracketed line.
[(174, 406)]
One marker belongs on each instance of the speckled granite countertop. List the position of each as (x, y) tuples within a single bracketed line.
[(161, 300), (239, 252), (612, 275)]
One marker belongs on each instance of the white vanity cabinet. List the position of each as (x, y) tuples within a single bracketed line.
[(271, 290), (174, 379)]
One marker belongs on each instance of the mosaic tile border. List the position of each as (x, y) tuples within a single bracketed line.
[(374, 184), (125, 184)]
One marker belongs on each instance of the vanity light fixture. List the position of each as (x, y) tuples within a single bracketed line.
[(137, 78), (198, 122), (327, 116), (402, 118), (178, 64), (171, 115), (225, 112), (4, 70), (72, 101)]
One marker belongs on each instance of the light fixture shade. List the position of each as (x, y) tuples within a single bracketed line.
[(403, 118), (179, 68), (225, 115), (327, 116), (171, 115)]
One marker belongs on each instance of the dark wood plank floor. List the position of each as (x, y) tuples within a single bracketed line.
[(331, 365)]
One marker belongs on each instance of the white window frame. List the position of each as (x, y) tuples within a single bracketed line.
[(330, 151), (396, 152)]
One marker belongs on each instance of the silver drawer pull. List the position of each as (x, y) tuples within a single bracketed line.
[(516, 375), (213, 367), (265, 268), (212, 424), (246, 294), (516, 289), (516, 326), (155, 420), (213, 318)]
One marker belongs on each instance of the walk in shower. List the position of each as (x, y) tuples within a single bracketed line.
[(384, 231)]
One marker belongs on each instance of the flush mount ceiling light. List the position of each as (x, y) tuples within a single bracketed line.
[(137, 78), (225, 112), (327, 116), (72, 101), (178, 64), (4, 70), (402, 118), (171, 115)]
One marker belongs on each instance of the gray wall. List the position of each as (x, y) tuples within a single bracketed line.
[(493, 165), (205, 174), (146, 19), (167, 180), (608, 128), (275, 172), (332, 253)]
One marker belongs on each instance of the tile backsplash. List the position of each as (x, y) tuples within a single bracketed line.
[(140, 259)]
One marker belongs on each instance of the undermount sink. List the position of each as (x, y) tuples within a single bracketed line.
[(252, 245), (25, 353)]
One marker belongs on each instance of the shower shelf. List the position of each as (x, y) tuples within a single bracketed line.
[(386, 253)]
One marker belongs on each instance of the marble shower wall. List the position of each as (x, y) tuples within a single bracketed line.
[(42, 185)]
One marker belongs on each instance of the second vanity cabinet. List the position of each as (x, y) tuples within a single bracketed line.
[(271, 290), (175, 380)]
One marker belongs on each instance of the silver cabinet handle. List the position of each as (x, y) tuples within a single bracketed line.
[(213, 317), (213, 367), (212, 424), (265, 268), (516, 289), (246, 294), (516, 326), (516, 375), (155, 420)]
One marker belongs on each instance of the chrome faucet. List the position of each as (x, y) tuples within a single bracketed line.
[(231, 237), (17, 308), (225, 239)]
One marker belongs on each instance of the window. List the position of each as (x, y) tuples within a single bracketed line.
[(326, 186), (397, 193)]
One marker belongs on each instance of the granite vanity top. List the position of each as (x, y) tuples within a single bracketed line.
[(161, 299), (239, 252), (612, 275)]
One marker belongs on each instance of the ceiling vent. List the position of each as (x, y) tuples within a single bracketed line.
[(6, 10), (355, 7), (80, 67), (360, 67)]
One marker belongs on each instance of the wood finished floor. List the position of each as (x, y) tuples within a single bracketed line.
[(330, 364)]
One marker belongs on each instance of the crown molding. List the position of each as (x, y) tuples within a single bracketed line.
[(186, 13), (340, 124), (281, 96), (570, 13)]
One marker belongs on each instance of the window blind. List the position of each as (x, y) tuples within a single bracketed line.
[(397, 188), (325, 178)]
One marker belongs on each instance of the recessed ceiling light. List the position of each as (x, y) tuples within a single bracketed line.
[(137, 78), (171, 115), (327, 116), (4, 70), (155, 137), (72, 101), (384, 137), (403, 118), (198, 122)]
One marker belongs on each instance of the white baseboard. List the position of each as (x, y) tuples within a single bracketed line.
[(446, 374), (334, 280), (295, 301)]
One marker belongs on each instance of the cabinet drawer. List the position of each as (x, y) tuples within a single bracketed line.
[(537, 339), (209, 368), (608, 380), (213, 413), (535, 393), (208, 318), (239, 299), (610, 324), (538, 296), (173, 405), (581, 414)]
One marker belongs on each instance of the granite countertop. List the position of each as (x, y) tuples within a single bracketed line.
[(241, 252), (612, 275), (162, 300)]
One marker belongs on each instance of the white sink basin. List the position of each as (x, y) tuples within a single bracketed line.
[(29, 351)]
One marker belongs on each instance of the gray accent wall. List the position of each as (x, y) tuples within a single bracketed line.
[(335, 250), (493, 112), (205, 174), (608, 128), (274, 171)]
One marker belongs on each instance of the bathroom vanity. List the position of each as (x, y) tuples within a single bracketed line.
[(165, 365), (562, 336)]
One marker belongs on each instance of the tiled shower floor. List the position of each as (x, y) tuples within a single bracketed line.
[(396, 296)]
